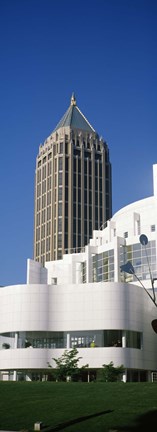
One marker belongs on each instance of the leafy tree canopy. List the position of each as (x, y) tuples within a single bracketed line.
[(111, 373), (67, 365)]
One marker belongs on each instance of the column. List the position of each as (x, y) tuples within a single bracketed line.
[(16, 341), (68, 340), (124, 339), (124, 376), (15, 347)]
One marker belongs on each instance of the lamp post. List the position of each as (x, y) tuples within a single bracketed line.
[(128, 268)]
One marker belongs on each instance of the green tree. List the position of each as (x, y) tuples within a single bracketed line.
[(67, 366), (111, 373)]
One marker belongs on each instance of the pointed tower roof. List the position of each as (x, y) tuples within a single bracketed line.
[(74, 118)]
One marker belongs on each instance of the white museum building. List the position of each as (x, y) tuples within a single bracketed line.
[(85, 300)]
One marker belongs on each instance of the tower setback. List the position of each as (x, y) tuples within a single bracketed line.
[(73, 192)]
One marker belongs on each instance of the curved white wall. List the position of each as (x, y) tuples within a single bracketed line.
[(74, 307), (124, 218), (94, 306)]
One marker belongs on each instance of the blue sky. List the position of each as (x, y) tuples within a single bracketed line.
[(105, 51)]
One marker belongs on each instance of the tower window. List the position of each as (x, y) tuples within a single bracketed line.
[(60, 179), (60, 209), (59, 240), (60, 194), (97, 156), (76, 152), (60, 164), (60, 224), (61, 147)]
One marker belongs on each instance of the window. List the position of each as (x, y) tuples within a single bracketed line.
[(60, 224), (61, 147), (39, 190), (60, 164), (43, 247), (112, 338), (38, 219), (48, 244), (133, 339), (66, 194), (66, 225), (47, 340), (60, 194), (43, 231), (43, 216), (38, 204), (60, 209), (60, 178), (38, 234), (103, 266), (48, 228), (152, 228), (49, 198), (76, 152), (66, 164), (43, 186), (85, 167), (83, 272), (59, 240), (79, 195), (48, 213), (39, 176), (85, 339), (54, 149), (49, 155), (139, 257), (66, 178), (87, 154), (44, 172), (98, 156), (49, 168), (37, 249), (44, 201), (49, 183)]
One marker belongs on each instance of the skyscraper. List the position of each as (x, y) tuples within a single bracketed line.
[(73, 194)]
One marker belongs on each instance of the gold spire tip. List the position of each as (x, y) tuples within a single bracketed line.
[(73, 99)]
